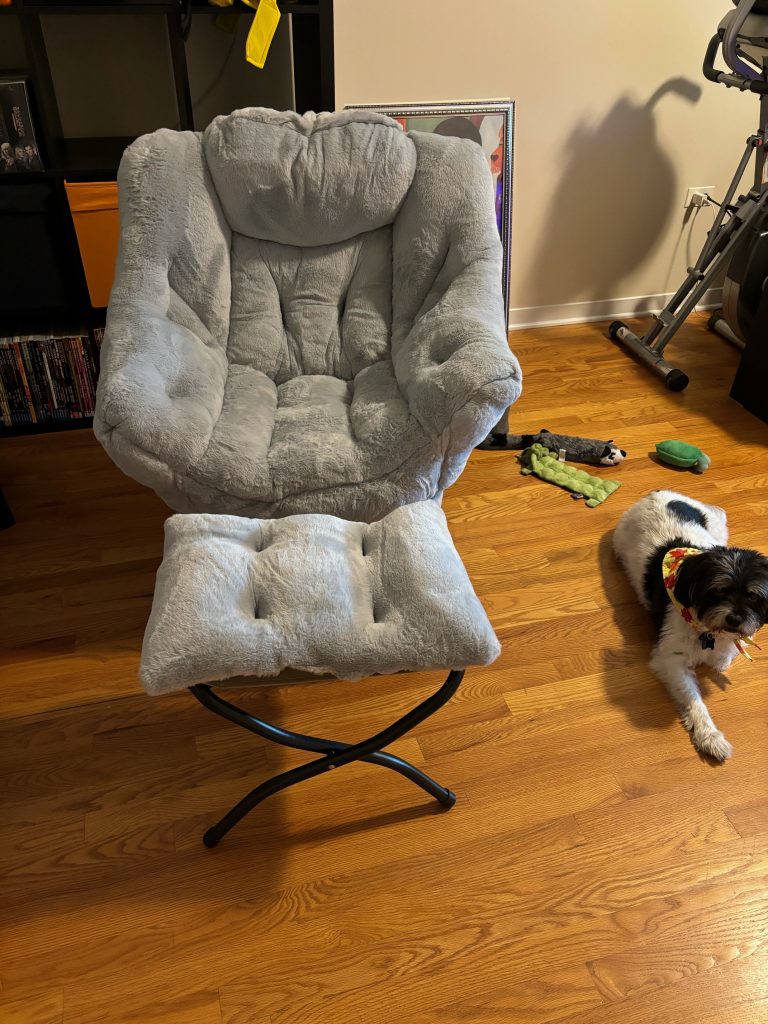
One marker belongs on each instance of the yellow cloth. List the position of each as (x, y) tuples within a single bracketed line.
[(262, 31)]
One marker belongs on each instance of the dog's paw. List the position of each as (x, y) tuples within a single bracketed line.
[(714, 744)]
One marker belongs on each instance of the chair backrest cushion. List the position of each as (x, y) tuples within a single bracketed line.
[(323, 309), (315, 179)]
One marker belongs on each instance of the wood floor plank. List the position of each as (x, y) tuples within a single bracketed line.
[(47, 1008), (535, 1001), (743, 980), (185, 1005), (749, 819)]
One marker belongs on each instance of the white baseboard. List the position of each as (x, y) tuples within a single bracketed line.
[(600, 309)]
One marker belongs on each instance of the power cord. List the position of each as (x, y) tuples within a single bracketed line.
[(220, 73), (185, 17)]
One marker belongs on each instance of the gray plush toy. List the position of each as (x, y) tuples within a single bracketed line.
[(577, 449)]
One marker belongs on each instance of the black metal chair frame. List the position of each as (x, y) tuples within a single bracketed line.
[(335, 754)]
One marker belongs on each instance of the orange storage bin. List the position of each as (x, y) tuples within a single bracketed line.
[(94, 211)]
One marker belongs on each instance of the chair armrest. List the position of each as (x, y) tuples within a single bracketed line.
[(455, 366), (164, 366), (449, 341)]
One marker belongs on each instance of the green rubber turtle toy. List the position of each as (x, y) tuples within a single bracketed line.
[(682, 455)]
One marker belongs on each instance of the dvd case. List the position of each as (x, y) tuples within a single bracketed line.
[(19, 151)]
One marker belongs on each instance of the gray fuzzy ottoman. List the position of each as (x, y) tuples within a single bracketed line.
[(239, 600)]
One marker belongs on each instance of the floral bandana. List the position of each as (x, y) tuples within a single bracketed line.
[(670, 569)]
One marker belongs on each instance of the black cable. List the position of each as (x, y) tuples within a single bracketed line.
[(185, 17), (220, 73)]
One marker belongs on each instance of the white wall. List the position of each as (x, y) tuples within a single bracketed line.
[(614, 121)]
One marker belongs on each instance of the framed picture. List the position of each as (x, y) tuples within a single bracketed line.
[(489, 123)]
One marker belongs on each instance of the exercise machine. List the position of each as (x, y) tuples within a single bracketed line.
[(738, 238)]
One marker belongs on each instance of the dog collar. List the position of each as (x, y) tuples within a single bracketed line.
[(670, 568)]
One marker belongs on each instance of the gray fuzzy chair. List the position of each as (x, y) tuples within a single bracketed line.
[(306, 317)]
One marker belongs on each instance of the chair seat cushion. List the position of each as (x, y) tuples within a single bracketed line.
[(269, 441), (239, 597)]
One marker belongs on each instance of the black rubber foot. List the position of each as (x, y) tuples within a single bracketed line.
[(714, 320), (210, 839), (613, 328), (449, 800), (676, 380)]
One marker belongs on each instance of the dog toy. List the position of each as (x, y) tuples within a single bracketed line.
[(577, 449), (685, 456), (540, 461)]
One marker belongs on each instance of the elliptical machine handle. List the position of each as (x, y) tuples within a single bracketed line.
[(731, 41), (710, 71), (736, 81)]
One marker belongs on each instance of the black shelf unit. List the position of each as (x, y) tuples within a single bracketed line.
[(48, 428), (96, 158)]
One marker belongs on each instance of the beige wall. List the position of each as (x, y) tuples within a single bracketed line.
[(614, 122)]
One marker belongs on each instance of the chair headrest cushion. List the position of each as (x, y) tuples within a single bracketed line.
[(308, 180)]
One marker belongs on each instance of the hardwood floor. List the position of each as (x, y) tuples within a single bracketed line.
[(594, 870)]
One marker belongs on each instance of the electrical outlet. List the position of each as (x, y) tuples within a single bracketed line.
[(697, 196)]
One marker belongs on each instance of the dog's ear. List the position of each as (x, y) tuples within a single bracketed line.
[(762, 567), (761, 582), (690, 579)]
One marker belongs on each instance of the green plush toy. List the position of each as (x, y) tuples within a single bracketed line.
[(543, 463), (685, 456)]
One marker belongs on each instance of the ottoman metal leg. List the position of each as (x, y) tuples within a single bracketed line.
[(336, 753)]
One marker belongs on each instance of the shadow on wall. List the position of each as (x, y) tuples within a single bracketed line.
[(612, 205)]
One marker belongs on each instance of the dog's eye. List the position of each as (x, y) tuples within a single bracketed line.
[(720, 591), (754, 598)]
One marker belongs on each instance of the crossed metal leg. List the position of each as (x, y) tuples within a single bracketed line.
[(335, 753)]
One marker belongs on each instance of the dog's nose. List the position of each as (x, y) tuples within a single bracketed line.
[(733, 620)]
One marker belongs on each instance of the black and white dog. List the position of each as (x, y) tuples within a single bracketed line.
[(706, 599)]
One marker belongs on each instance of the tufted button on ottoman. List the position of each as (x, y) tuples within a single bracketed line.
[(249, 601)]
